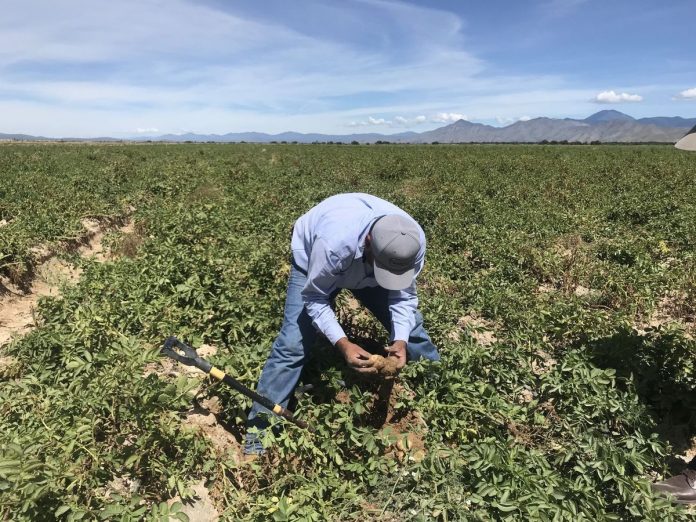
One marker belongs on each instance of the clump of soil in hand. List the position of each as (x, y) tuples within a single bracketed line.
[(385, 365)]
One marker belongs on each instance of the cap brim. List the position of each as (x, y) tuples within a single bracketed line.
[(392, 281)]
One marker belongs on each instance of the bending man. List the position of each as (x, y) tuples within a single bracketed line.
[(366, 245)]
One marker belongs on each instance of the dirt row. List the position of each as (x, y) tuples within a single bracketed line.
[(18, 305)]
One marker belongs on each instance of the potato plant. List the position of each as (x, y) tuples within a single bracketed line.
[(559, 285)]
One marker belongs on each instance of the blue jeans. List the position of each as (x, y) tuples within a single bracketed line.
[(297, 336)]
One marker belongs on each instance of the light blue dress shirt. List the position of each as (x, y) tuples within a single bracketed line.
[(328, 243)]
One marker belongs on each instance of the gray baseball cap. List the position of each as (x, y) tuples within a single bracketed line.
[(395, 245)]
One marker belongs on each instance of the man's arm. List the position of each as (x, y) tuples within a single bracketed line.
[(404, 303), (402, 307), (324, 267), (322, 273)]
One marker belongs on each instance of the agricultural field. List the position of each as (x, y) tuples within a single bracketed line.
[(559, 286)]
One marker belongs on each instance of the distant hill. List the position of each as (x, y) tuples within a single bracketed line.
[(21, 137), (608, 115), (603, 126), (27, 137), (664, 121)]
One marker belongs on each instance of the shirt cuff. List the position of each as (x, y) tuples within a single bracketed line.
[(333, 331), (401, 333)]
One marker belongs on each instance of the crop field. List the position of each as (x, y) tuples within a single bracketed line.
[(559, 286)]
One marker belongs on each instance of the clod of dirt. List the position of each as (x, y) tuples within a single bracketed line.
[(212, 405), (202, 508), (385, 365)]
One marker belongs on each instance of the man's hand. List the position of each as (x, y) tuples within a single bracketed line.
[(357, 358), (398, 351)]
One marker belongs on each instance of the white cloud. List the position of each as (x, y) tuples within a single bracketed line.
[(614, 97), (688, 94), (409, 121), (506, 120), (448, 117), (146, 130), (371, 121)]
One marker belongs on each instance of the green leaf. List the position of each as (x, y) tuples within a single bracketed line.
[(62, 509)]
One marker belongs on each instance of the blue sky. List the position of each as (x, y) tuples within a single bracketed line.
[(129, 67)]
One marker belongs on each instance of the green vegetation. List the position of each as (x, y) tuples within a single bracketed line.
[(560, 286)]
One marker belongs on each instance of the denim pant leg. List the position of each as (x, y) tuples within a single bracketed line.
[(288, 355), (376, 299)]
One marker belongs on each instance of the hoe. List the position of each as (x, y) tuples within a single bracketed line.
[(187, 355)]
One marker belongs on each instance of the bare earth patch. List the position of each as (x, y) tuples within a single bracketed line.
[(17, 307), (222, 440), (481, 330), (673, 308), (201, 509), (407, 427), (203, 418), (582, 291)]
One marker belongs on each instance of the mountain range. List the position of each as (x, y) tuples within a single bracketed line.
[(604, 126)]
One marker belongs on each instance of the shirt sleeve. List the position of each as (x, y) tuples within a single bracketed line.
[(404, 303), (324, 266), (402, 307)]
